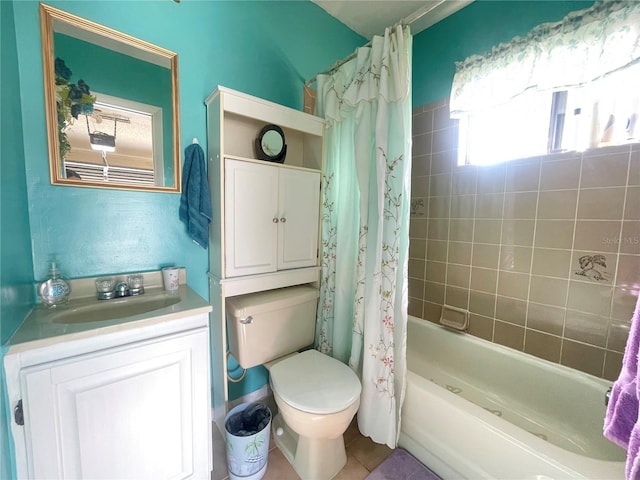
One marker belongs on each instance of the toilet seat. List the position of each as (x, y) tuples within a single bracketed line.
[(315, 383)]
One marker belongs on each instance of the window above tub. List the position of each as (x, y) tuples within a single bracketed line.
[(570, 85)]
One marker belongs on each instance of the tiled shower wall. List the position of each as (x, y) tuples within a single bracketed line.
[(543, 252)]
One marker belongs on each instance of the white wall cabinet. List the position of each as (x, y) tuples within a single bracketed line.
[(271, 218), (268, 232), (139, 410), (253, 194)]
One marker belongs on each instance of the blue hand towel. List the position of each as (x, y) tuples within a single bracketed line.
[(195, 202)]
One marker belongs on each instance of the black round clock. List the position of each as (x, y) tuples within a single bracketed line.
[(270, 144)]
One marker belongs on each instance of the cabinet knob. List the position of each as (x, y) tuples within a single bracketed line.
[(283, 220), (275, 220)]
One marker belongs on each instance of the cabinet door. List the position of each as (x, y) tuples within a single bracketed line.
[(299, 207), (251, 216), (135, 412)]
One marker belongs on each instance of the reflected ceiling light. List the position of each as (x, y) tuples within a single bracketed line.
[(101, 141)]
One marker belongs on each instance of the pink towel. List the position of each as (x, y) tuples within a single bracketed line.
[(621, 424)]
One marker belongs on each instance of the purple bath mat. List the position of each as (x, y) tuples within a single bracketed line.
[(401, 465)]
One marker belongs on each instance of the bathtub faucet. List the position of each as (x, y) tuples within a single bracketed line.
[(607, 396)]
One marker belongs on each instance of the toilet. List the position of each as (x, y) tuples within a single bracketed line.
[(317, 396)]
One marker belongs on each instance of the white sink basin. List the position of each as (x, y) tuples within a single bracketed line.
[(101, 310)]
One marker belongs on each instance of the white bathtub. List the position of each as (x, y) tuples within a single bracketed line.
[(474, 410)]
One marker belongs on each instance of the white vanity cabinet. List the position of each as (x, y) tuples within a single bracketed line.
[(132, 404), (271, 217)]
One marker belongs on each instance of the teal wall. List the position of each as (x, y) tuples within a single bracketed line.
[(16, 266), (16, 272), (242, 45), (474, 30), (119, 75)]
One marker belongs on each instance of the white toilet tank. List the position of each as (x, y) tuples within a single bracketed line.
[(267, 325)]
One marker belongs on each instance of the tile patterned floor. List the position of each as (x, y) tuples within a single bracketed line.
[(363, 456)]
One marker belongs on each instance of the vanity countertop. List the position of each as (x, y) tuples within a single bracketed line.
[(38, 330)]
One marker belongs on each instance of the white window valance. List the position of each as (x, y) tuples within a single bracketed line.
[(584, 47)]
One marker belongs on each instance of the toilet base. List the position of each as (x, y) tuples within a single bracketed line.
[(311, 458)]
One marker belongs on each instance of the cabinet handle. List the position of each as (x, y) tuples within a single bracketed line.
[(283, 220), (275, 220), (18, 414)]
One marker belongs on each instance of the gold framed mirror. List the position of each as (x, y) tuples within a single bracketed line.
[(111, 104)]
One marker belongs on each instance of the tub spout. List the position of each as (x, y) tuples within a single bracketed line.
[(607, 397)]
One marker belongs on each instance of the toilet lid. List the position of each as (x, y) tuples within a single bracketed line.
[(315, 383)]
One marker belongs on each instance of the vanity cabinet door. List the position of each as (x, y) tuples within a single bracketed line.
[(133, 412), (271, 218)]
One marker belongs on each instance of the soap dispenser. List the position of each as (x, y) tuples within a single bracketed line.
[(55, 290)]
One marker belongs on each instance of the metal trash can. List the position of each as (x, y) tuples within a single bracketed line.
[(247, 428)]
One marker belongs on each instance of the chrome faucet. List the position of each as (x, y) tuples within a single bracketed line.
[(106, 288), (607, 396), (122, 289)]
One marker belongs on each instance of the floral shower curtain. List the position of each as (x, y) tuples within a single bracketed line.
[(365, 213)]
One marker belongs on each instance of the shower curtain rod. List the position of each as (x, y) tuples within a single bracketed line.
[(408, 20)]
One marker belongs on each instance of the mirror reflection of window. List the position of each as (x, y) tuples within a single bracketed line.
[(135, 128), (122, 66)]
